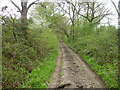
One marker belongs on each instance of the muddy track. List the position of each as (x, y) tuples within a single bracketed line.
[(72, 72)]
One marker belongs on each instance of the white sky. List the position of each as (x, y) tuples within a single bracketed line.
[(108, 3)]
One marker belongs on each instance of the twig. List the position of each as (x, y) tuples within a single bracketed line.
[(46, 82)]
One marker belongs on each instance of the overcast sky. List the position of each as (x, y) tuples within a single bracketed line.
[(108, 3)]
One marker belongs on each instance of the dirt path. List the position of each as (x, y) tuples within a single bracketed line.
[(72, 72)]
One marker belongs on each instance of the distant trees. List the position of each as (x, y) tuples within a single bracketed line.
[(48, 15), (93, 12), (69, 9)]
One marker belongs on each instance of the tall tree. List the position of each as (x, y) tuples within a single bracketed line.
[(24, 12)]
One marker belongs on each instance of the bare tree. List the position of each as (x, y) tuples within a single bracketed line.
[(24, 12), (68, 8), (94, 12)]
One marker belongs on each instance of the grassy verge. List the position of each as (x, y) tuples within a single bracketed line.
[(40, 76), (107, 71), (28, 63)]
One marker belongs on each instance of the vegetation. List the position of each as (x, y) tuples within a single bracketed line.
[(99, 49), (29, 52), (40, 76), (21, 57)]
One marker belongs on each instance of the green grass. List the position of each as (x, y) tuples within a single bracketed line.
[(107, 71), (39, 76), (99, 49), (28, 63)]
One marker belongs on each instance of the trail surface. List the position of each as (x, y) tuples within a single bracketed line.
[(72, 72)]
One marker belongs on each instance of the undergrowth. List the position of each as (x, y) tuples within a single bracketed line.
[(21, 57), (40, 77), (99, 49)]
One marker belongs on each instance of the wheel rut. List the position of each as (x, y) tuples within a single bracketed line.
[(72, 72)]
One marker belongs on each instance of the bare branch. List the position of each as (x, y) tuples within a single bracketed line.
[(16, 6), (84, 16), (31, 4), (63, 8), (115, 7), (36, 3), (101, 18), (42, 5), (104, 13)]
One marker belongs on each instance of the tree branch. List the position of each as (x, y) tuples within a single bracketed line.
[(115, 7), (36, 3), (88, 9), (16, 6), (42, 5), (63, 8), (31, 4), (101, 18), (104, 13)]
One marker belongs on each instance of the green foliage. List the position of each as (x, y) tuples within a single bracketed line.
[(18, 60), (38, 77), (30, 62), (54, 20), (21, 57), (41, 75), (108, 71), (99, 49)]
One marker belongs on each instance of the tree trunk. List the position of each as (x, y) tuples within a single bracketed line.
[(24, 22), (73, 30), (24, 14)]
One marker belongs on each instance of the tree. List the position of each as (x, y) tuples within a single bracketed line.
[(48, 14), (93, 11), (24, 12), (70, 11)]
